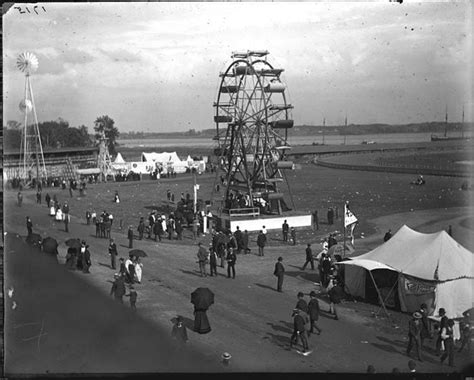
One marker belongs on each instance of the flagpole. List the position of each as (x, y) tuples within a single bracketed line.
[(344, 229)]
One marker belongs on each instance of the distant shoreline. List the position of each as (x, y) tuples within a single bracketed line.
[(316, 130), (183, 150)]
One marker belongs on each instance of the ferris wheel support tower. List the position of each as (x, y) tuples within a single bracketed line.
[(31, 149)]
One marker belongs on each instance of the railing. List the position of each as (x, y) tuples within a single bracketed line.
[(237, 212), (399, 168)]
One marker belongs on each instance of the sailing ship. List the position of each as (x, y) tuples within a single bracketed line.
[(445, 137)]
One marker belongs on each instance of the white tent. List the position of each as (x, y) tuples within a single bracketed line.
[(167, 161), (161, 157), (119, 159), (432, 268)]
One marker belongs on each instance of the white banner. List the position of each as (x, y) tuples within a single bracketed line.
[(349, 217)]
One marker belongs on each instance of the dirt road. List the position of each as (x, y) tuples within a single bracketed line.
[(250, 319)]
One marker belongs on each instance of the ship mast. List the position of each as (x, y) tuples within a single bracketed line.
[(446, 123)]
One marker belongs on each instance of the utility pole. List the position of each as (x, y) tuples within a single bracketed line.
[(446, 122), (196, 188), (324, 126), (345, 128)]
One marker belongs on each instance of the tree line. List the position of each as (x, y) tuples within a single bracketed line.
[(59, 134)]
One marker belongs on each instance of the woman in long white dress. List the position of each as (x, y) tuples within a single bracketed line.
[(52, 210), (59, 214), (138, 270)]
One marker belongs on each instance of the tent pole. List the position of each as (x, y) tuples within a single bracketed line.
[(388, 295), (380, 296), (344, 229)]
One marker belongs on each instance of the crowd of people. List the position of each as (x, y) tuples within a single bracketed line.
[(223, 250), (419, 330)]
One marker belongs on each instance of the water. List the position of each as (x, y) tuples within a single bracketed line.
[(199, 142)]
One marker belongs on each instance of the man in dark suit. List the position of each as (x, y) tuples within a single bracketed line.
[(86, 260), (313, 311), (315, 219), (280, 273), (29, 225), (261, 241), (442, 324), (202, 257), (299, 330), (113, 253), (231, 259), (239, 240), (387, 236), (245, 242), (130, 237), (284, 229), (301, 304), (141, 228), (309, 257), (118, 288)]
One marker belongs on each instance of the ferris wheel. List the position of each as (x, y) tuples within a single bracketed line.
[(252, 117)]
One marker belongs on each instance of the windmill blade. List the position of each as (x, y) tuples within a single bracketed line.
[(27, 62)]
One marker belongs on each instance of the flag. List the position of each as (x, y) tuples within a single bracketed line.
[(350, 221), (349, 217)]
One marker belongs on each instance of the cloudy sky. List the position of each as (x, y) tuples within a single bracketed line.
[(155, 66)]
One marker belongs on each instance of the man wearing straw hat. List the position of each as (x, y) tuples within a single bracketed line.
[(414, 334), (226, 358)]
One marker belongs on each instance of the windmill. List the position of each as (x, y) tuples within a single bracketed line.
[(104, 163), (31, 149)]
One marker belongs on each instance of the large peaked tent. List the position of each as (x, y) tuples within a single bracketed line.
[(432, 268)]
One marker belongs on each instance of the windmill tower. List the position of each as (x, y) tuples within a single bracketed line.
[(31, 149), (104, 163)]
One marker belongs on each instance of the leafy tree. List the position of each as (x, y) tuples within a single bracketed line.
[(12, 135), (54, 134), (106, 124)]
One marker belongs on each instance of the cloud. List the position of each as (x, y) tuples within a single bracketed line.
[(140, 62), (121, 55)]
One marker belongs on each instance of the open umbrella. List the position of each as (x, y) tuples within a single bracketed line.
[(50, 245), (202, 298), (138, 253), (338, 249), (34, 239), (73, 243)]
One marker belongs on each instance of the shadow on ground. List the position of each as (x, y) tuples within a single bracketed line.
[(62, 324)]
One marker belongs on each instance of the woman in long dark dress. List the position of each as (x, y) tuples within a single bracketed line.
[(201, 322), (71, 259), (80, 258)]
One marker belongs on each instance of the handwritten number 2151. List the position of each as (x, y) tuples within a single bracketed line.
[(27, 9)]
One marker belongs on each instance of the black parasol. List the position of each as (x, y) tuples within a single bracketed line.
[(50, 245), (137, 253), (74, 243), (202, 298), (34, 239)]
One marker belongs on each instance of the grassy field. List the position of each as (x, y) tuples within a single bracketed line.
[(371, 195)]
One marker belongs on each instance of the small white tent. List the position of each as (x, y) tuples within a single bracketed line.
[(432, 268), (119, 164), (119, 159)]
